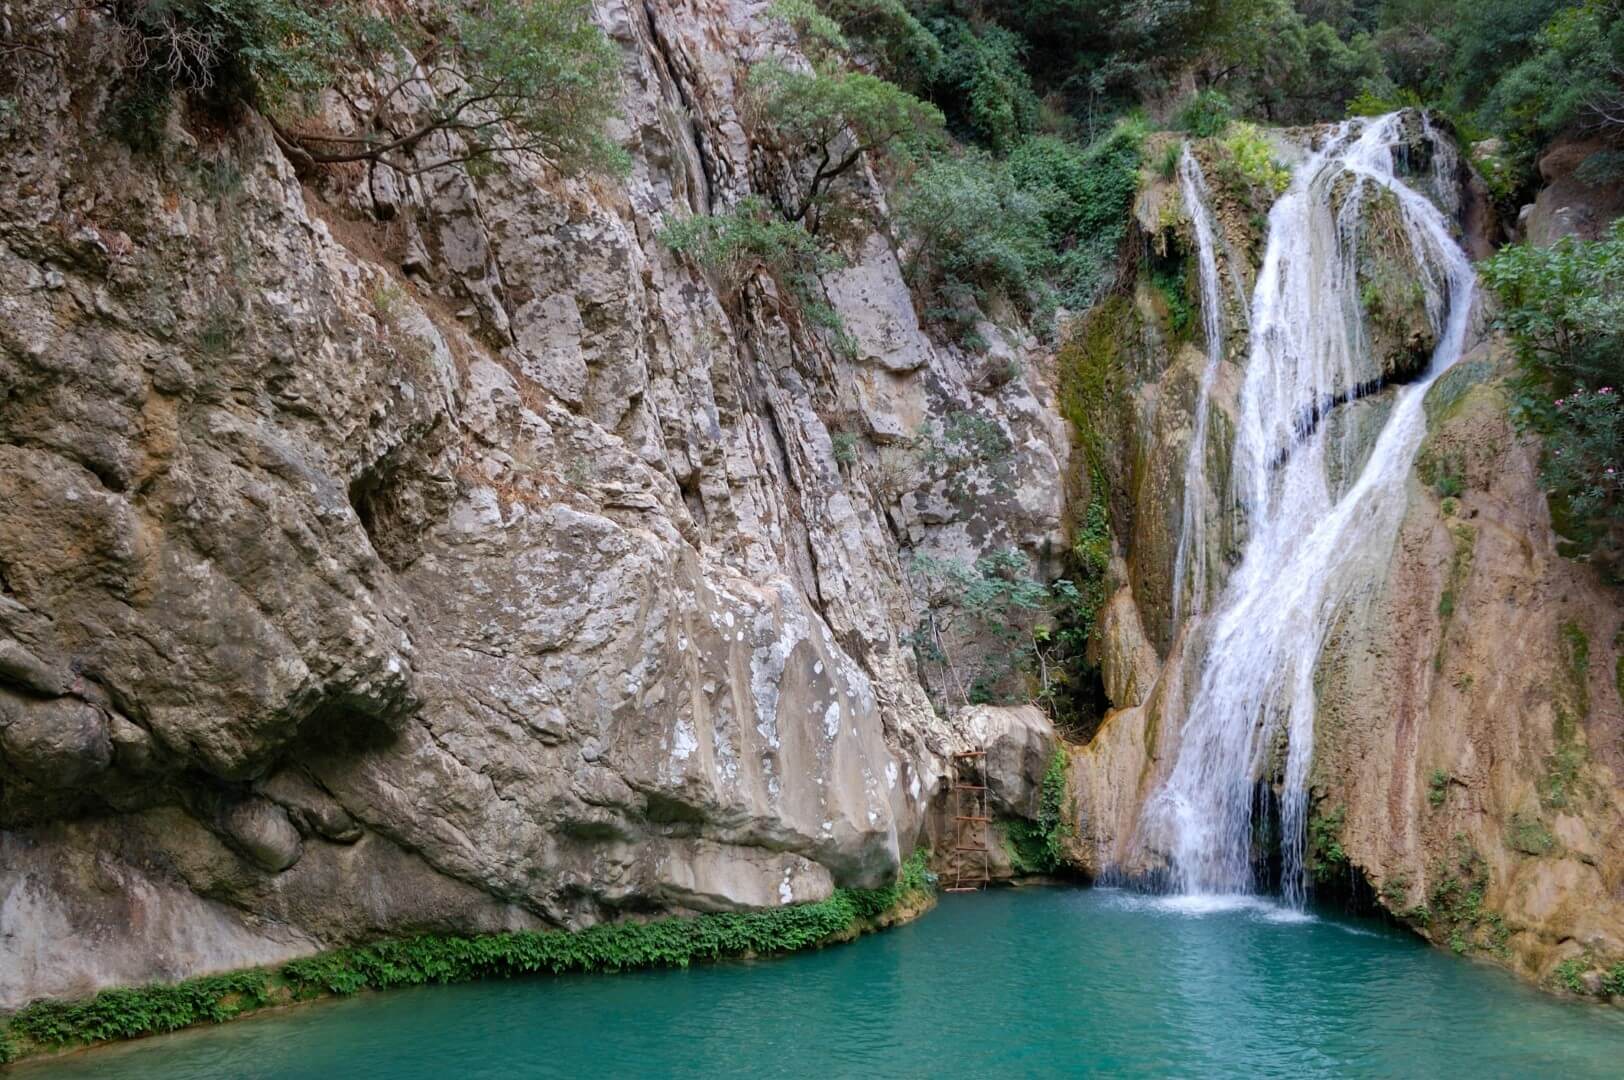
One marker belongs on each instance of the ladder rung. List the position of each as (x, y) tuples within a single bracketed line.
[(970, 753), (969, 787), (962, 848), (967, 817)]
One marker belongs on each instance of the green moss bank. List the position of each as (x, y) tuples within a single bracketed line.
[(50, 1026)]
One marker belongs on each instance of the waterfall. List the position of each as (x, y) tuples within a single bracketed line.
[(1190, 557), (1308, 545)]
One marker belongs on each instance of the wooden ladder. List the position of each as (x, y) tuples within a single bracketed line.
[(970, 822)]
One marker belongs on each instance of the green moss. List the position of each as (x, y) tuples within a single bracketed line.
[(1091, 389), (1455, 911), (1326, 856), (415, 961), (1447, 394), (1040, 847), (1437, 788), (1527, 833), (1562, 781)]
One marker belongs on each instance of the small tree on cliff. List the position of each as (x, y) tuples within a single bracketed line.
[(825, 123), (496, 76)]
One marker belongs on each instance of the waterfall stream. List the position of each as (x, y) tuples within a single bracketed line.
[(1191, 555), (1309, 542)]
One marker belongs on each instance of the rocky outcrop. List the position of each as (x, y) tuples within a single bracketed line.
[(385, 553), (1471, 736), (1579, 194)]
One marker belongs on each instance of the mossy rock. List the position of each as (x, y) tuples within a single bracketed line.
[(1400, 332)]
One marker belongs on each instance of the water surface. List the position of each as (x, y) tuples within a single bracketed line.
[(1049, 982)]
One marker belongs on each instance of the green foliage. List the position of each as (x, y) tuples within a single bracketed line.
[(1456, 909), (888, 33), (845, 447), (970, 230), (738, 243), (830, 120), (982, 83), (1568, 974), (1572, 68), (1086, 194), (1613, 982), (820, 35), (1169, 281), (1437, 788), (531, 76), (1039, 847), (416, 961), (1249, 158), (1326, 856), (995, 602), (1563, 307), (127, 1013), (1205, 114)]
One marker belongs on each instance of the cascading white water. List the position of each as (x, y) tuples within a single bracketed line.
[(1307, 545), (1190, 557)]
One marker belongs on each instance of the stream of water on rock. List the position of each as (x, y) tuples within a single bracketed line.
[(1028, 982), (1310, 542)]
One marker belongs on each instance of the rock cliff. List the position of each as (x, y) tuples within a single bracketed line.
[(386, 553)]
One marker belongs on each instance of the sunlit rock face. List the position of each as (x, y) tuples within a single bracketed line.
[(382, 554)]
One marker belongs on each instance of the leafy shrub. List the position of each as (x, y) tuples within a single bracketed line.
[(1086, 193), (738, 243), (1205, 115), (1250, 158), (971, 230), (1563, 307), (820, 35), (1326, 855), (1437, 788), (1039, 847)]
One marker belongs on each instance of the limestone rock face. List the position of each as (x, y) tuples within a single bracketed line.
[(390, 553)]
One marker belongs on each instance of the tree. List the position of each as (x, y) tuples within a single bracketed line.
[(492, 76), (507, 76), (830, 121)]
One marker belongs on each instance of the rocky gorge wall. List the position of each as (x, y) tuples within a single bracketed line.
[(386, 553), (1469, 725)]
